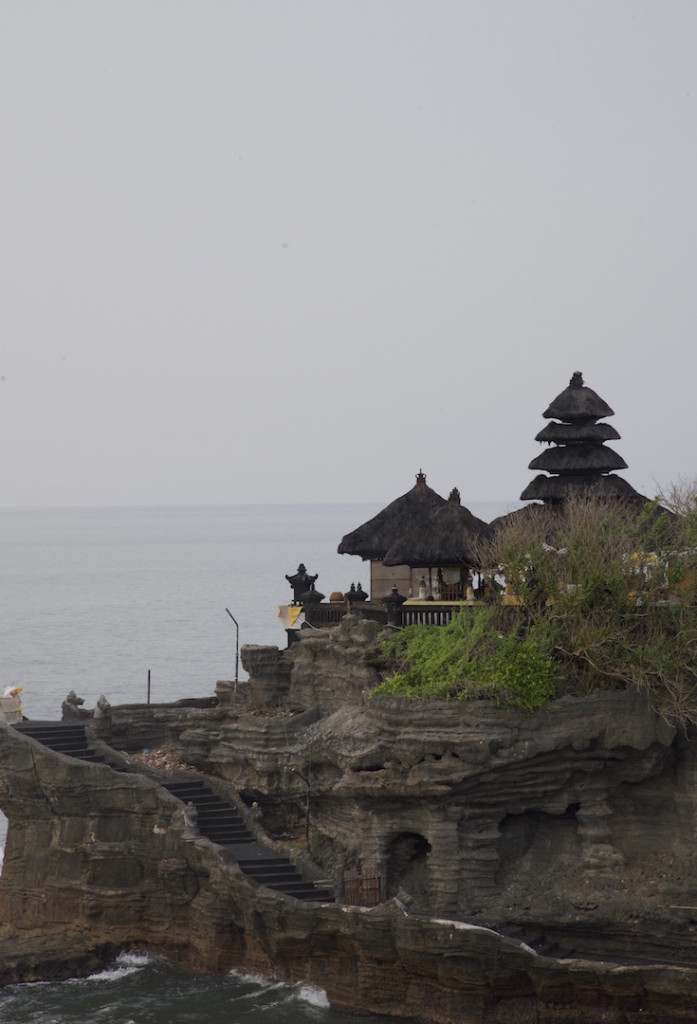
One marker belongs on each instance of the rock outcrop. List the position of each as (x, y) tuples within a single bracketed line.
[(525, 866)]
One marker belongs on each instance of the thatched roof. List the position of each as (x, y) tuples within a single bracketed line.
[(374, 538), (450, 536), (572, 433), (576, 403), (527, 512), (578, 455), (607, 488), (575, 458), (556, 488)]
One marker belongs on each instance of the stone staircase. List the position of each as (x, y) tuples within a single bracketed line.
[(63, 737), (217, 820), (222, 823)]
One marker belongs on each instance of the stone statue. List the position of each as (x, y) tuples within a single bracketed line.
[(301, 582)]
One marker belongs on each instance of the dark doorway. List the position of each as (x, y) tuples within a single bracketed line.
[(407, 856)]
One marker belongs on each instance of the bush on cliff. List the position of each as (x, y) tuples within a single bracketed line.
[(470, 659), (606, 596)]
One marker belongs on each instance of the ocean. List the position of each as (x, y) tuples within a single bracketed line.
[(138, 989), (91, 600)]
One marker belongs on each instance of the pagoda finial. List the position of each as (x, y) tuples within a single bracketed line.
[(576, 380), (421, 478)]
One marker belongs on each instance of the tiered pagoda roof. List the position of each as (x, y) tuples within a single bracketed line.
[(578, 458)]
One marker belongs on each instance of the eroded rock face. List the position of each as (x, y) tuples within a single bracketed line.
[(573, 825), (575, 820)]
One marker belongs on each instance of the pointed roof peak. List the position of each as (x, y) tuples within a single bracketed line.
[(577, 402), (578, 457)]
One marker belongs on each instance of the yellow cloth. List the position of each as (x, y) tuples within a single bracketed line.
[(293, 613), (290, 614)]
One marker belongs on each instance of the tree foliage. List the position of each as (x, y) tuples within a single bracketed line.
[(604, 595)]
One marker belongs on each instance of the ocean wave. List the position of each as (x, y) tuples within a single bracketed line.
[(312, 995), (125, 964), (256, 981), (285, 992)]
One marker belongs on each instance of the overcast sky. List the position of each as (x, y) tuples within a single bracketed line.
[(281, 252)]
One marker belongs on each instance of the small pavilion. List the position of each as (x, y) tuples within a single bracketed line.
[(421, 544)]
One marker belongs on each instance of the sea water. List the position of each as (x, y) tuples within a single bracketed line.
[(143, 990), (94, 599)]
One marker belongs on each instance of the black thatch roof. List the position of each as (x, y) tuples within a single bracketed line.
[(450, 536), (527, 512), (612, 488), (374, 538), (572, 433), (577, 403), (578, 458), (556, 488)]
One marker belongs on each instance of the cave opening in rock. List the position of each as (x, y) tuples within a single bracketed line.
[(407, 868), (534, 841)]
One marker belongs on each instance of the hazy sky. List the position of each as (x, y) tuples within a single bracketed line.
[(281, 252)]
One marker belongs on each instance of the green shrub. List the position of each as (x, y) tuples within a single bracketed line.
[(469, 659)]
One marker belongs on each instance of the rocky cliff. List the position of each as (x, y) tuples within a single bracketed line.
[(522, 864)]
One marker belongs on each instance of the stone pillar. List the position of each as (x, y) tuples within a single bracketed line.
[(442, 863), (478, 861), (600, 859)]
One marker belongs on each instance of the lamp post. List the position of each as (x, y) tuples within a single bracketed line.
[(237, 644)]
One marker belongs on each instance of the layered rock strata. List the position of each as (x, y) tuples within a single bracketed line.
[(487, 832)]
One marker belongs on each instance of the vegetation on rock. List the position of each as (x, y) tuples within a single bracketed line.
[(473, 658), (603, 597)]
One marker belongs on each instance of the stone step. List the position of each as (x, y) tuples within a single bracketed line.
[(225, 827), (71, 751), (282, 877), (207, 811), (301, 891), (184, 786), (219, 835), (45, 726), (213, 832), (262, 870), (232, 840), (209, 802), (59, 742), (54, 737), (262, 860)]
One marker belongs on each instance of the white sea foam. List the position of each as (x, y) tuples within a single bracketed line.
[(301, 991), (125, 964), (259, 980), (312, 995)]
